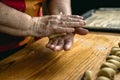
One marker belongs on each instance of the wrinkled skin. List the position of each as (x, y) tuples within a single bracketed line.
[(55, 24), (64, 42), (43, 26)]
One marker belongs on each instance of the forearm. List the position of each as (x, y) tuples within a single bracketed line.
[(13, 20), (13, 31), (57, 6), (18, 23)]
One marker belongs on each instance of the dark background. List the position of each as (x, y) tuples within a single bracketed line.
[(81, 6)]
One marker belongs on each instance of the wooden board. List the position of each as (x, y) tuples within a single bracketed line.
[(35, 62)]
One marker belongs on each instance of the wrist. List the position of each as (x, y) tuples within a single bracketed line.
[(35, 27)]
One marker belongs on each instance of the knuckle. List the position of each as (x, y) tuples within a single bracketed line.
[(58, 17), (54, 21), (52, 17), (77, 16), (68, 19), (62, 23)]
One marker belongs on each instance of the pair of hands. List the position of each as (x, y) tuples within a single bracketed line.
[(57, 24), (64, 42)]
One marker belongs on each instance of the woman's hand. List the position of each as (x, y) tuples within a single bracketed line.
[(55, 24)]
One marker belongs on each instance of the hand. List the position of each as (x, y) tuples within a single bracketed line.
[(64, 42), (55, 24)]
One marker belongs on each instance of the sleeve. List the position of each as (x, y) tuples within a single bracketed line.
[(16, 4)]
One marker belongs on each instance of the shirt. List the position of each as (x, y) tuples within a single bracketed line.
[(30, 7)]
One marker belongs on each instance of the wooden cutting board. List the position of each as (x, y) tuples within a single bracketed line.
[(35, 62)]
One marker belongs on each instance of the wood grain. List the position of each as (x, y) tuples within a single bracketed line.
[(35, 62)]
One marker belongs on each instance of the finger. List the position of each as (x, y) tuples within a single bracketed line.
[(60, 30), (68, 19), (68, 44), (81, 31), (62, 17), (73, 24), (51, 40), (53, 44), (73, 16), (49, 43), (59, 46)]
